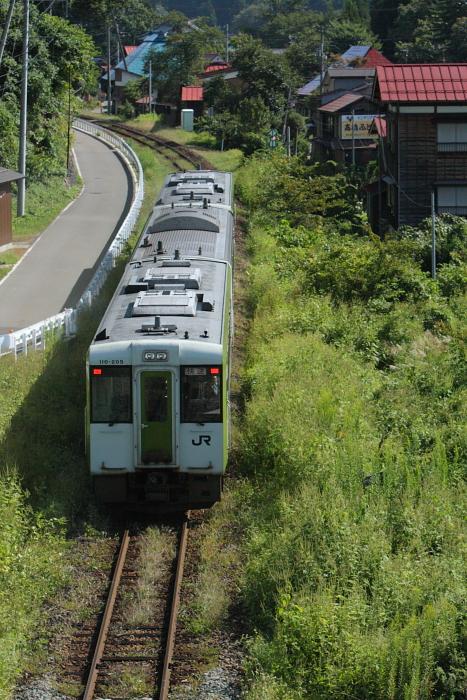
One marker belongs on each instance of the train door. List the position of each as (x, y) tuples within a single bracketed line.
[(157, 402)]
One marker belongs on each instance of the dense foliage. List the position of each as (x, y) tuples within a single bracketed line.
[(183, 58), (60, 60), (420, 30), (355, 445)]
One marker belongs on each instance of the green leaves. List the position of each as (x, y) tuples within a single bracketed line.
[(60, 60)]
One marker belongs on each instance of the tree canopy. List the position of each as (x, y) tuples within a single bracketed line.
[(60, 60)]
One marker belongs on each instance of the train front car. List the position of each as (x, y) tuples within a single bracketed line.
[(158, 368)]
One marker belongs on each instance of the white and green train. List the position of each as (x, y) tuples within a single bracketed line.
[(159, 366)]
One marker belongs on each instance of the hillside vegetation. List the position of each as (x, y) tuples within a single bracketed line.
[(354, 447)]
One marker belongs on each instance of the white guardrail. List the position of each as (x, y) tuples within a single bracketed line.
[(34, 336)]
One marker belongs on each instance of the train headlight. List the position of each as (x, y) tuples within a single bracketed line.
[(152, 356)]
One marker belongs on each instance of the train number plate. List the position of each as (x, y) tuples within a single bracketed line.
[(195, 371)]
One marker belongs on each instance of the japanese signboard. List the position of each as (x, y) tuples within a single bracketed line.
[(361, 126)]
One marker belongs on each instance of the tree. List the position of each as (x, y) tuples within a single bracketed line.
[(303, 54), (134, 18), (343, 33), (264, 74), (183, 59), (60, 64)]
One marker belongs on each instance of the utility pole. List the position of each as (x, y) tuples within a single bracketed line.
[(6, 29), (321, 62), (227, 44), (150, 86), (353, 137), (23, 126), (120, 46), (433, 236), (68, 140), (109, 84)]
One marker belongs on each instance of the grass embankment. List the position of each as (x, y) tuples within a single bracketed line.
[(44, 487), (202, 144), (352, 449), (44, 202)]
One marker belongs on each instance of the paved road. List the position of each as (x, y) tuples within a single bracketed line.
[(58, 268)]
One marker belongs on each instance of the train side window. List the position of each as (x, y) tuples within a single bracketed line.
[(111, 394), (201, 399)]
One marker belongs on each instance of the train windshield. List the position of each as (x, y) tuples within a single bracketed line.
[(111, 394), (201, 398)]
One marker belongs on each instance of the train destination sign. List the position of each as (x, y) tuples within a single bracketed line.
[(361, 126)]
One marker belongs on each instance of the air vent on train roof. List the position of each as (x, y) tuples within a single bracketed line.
[(198, 188), (165, 303), (185, 220), (178, 275)]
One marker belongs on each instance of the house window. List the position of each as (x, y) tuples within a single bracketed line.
[(452, 200), (452, 138)]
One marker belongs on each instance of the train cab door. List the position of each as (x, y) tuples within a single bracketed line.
[(156, 411)]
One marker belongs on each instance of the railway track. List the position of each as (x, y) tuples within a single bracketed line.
[(123, 651), (177, 154)]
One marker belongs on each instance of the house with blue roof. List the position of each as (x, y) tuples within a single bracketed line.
[(132, 66)]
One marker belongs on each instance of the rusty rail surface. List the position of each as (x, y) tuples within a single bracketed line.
[(157, 143), (170, 642), (106, 618), (99, 656)]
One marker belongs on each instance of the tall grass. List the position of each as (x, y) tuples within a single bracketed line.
[(355, 446)]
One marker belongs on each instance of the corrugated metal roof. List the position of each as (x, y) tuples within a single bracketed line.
[(421, 82), (355, 52), (129, 49), (311, 86), (381, 126), (351, 72), (216, 67), (192, 93), (375, 58), (341, 102), (137, 58), (9, 175)]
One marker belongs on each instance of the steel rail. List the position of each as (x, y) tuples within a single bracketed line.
[(106, 618), (175, 604), (150, 139), (147, 140)]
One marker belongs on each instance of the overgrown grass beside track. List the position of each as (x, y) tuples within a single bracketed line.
[(352, 452), (354, 440)]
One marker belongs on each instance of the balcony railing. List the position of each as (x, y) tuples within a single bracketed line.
[(459, 147), (457, 211)]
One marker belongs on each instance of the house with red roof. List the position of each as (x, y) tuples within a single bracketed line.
[(424, 146)]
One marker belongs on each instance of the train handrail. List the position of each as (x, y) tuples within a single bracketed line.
[(34, 336)]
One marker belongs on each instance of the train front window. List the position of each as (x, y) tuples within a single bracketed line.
[(156, 393), (201, 394), (111, 394)]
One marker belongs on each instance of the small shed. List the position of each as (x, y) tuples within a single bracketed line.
[(6, 178), (192, 98)]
